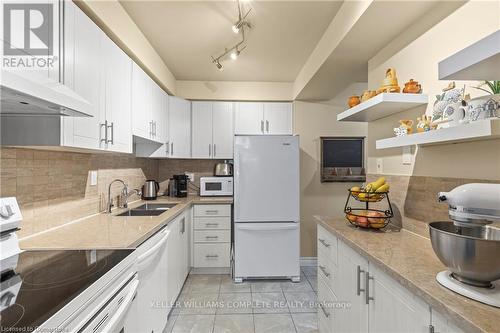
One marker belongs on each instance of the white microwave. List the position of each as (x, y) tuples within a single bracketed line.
[(216, 186)]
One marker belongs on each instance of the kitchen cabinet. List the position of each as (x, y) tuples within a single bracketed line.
[(149, 109), (378, 303), (211, 236), (212, 129), (83, 75), (179, 128), (254, 118)]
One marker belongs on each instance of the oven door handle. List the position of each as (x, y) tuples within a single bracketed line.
[(122, 310)]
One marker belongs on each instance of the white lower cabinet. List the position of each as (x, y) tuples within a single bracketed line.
[(211, 236), (369, 299)]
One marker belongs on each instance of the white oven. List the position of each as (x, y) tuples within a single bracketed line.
[(216, 186)]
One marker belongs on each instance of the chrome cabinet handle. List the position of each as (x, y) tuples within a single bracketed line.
[(183, 225), (323, 269), (215, 150), (431, 329), (154, 128), (212, 256), (209, 150), (112, 127), (211, 237), (327, 315), (151, 128), (105, 125), (211, 224), (214, 211), (171, 148), (358, 281), (262, 126), (322, 241), (267, 126), (368, 298)]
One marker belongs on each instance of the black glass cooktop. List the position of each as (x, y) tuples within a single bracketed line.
[(45, 281)]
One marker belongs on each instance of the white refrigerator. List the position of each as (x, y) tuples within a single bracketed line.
[(266, 207)]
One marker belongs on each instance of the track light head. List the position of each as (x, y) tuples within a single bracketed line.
[(219, 66), (236, 27), (234, 55)]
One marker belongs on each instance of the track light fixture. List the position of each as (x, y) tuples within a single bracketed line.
[(238, 28)]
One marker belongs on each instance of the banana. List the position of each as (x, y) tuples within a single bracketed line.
[(383, 188), (355, 189), (378, 183)]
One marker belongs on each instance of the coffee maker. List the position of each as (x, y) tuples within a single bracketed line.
[(179, 186)]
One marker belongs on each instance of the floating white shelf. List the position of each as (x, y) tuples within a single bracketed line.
[(383, 105), (475, 131), (479, 61)]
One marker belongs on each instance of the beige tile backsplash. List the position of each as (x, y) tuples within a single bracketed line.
[(53, 187)]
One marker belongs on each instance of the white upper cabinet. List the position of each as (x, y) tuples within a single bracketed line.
[(179, 128), (254, 118), (83, 75), (278, 118), (118, 85), (141, 103), (249, 118), (202, 129), (223, 129), (212, 130)]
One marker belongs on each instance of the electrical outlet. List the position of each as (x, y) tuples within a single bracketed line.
[(380, 166), (93, 177), (190, 175), (407, 156)]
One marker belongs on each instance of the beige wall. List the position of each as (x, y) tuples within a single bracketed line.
[(311, 121), (419, 60), (235, 91)]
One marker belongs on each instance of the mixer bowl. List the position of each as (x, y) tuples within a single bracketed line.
[(471, 254)]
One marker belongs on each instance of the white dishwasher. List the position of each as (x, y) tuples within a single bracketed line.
[(150, 309)]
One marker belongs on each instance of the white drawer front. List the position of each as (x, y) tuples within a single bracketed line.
[(212, 236), (326, 301), (211, 255), (202, 223), (212, 210), (327, 269), (328, 243)]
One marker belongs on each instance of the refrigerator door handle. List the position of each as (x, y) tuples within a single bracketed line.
[(268, 228)]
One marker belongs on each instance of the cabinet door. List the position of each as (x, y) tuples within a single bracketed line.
[(278, 118), (118, 85), (351, 290), (141, 102), (173, 262), (201, 113), (223, 129), (184, 249), (161, 121), (83, 74), (179, 127), (393, 308), (249, 118)]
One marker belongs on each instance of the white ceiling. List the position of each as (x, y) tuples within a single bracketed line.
[(187, 33)]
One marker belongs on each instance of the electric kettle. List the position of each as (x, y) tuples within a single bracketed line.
[(150, 190)]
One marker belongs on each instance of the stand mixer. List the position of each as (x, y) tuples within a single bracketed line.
[(470, 245)]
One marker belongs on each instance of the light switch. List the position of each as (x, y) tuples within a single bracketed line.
[(380, 165), (93, 177), (407, 156)]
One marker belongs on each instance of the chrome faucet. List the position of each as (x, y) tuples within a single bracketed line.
[(109, 205)]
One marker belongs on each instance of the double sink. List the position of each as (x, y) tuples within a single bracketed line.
[(148, 209)]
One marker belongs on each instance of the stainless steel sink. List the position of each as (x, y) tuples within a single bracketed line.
[(148, 209), (155, 206)]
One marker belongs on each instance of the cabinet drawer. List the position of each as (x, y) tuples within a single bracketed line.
[(212, 236), (327, 270), (326, 305), (211, 255), (327, 242), (212, 210), (202, 223)]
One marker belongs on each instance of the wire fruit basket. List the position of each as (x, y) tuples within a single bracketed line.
[(362, 215)]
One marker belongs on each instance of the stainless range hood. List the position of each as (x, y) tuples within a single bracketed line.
[(23, 97)]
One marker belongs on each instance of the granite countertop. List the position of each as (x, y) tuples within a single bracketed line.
[(410, 259), (108, 231)]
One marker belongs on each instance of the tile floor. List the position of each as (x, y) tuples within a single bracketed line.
[(214, 304)]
